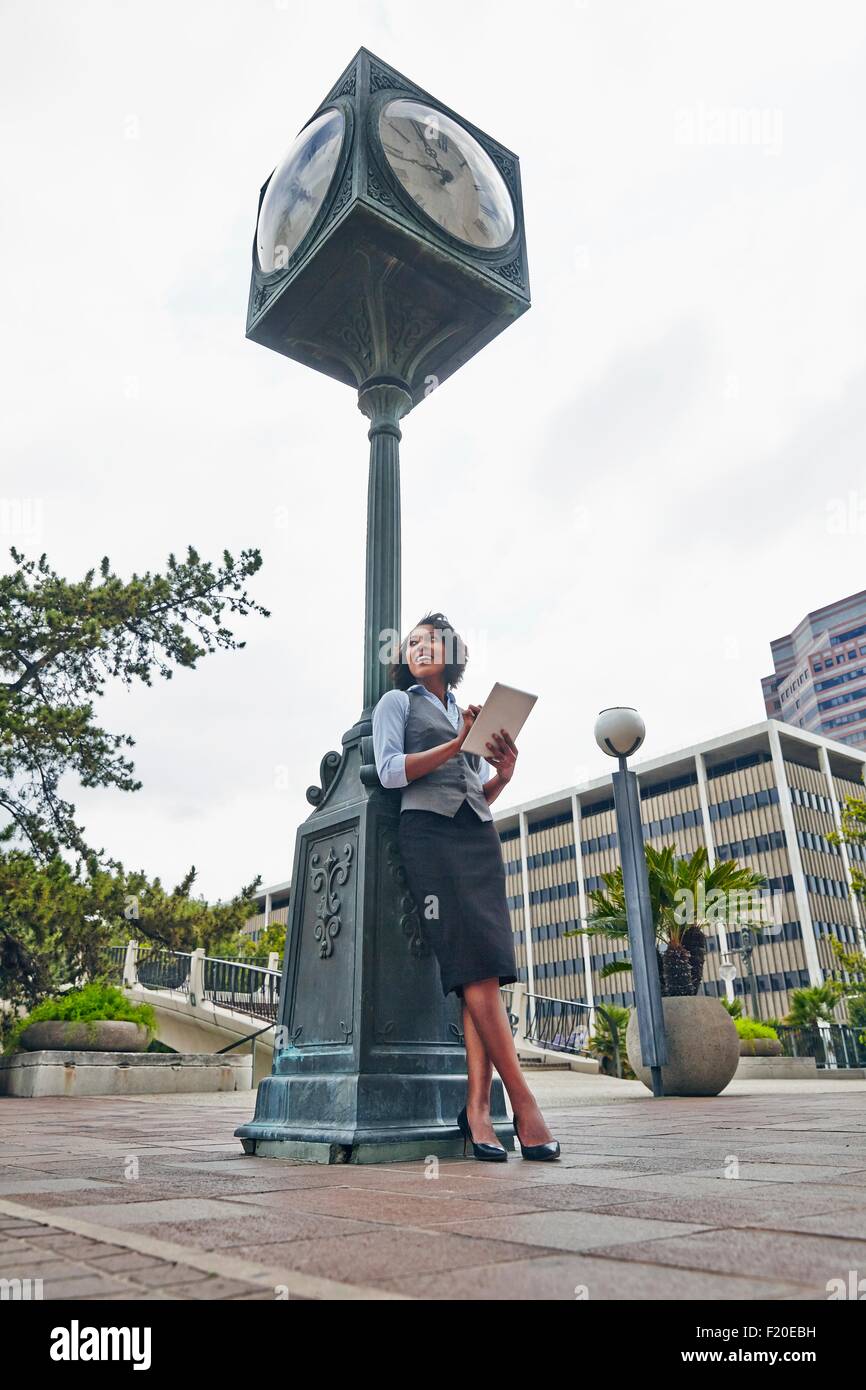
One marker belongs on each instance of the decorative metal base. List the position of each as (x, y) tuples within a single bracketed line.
[(374, 1147), (373, 1118)]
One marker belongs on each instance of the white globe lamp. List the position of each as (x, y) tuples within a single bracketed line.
[(619, 731)]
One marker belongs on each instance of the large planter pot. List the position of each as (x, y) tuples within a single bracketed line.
[(760, 1047), (101, 1035), (703, 1047)]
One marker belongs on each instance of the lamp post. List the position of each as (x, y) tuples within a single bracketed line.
[(728, 971), (619, 732), (389, 249)]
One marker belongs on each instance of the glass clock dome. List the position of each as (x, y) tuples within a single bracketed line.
[(447, 173), (297, 190)]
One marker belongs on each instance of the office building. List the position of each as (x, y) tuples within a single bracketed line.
[(271, 905), (819, 680), (766, 796)]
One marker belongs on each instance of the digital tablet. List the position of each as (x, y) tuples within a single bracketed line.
[(504, 708)]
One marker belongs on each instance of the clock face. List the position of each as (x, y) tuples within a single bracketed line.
[(447, 173), (297, 190)]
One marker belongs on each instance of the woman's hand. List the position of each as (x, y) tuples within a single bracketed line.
[(470, 714), (503, 755)]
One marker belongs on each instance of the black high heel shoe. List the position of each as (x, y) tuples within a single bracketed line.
[(492, 1152), (543, 1151)]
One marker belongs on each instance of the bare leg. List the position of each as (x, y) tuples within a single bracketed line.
[(480, 1069), (484, 1004)]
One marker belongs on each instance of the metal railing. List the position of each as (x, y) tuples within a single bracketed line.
[(240, 985), (507, 992), (837, 1047), (249, 989), (560, 1025), (162, 969), (116, 962)]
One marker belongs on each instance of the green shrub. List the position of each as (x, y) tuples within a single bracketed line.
[(749, 1028), (92, 1003), (857, 1010), (733, 1006)]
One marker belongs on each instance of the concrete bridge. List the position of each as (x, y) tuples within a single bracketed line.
[(204, 1004)]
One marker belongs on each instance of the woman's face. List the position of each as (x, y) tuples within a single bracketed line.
[(426, 653)]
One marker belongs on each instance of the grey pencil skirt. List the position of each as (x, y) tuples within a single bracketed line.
[(456, 876)]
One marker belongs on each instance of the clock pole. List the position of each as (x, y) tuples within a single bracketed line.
[(384, 400), (353, 278)]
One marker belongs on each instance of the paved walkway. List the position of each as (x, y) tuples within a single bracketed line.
[(759, 1193)]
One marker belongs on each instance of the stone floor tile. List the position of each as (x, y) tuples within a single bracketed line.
[(264, 1230), (165, 1276), (849, 1223), (571, 1230), (162, 1210), (222, 1288), (387, 1253), (391, 1208), (804, 1259), (90, 1286), (571, 1278), (121, 1261)]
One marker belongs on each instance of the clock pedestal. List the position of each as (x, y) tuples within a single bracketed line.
[(370, 1065), (376, 292)]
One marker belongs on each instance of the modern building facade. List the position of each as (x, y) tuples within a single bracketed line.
[(272, 905), (819, 680), (766, 796)]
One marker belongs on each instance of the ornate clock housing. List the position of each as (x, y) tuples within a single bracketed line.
[(447, 173), (297, 189), (390, 239)]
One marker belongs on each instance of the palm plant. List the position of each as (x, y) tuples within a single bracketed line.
[(814, 1005), (602, 1045), (686, 895), (809, 1008)]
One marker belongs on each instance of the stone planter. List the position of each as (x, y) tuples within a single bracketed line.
[(760, 1047), (74, 1074), (703, 1047), (100, 1035)]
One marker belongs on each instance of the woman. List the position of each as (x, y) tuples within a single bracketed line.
[(453, 861)]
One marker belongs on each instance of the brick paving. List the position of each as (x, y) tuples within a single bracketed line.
[(756, 1194)]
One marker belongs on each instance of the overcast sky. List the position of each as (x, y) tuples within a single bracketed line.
[(665, 456)]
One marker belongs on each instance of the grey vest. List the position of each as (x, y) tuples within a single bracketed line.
[(448, 786)]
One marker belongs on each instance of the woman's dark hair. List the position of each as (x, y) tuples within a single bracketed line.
[(400, 675)]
